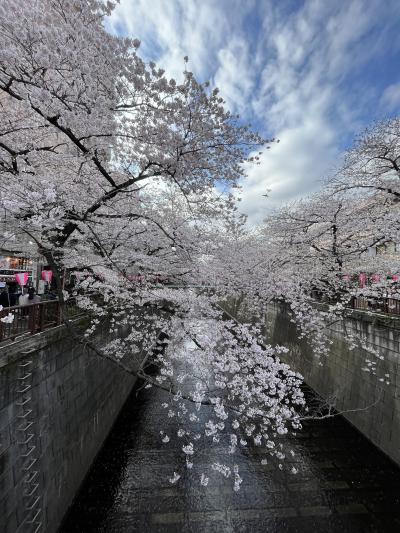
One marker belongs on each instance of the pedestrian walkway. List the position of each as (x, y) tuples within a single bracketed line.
[(344, 484)]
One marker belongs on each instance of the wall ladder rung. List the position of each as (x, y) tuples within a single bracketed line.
[(33, 520), (25, 428), (37, 527), (27, 376), (27, 467), (27, 413), (33, 505), (27, 352), (31, 476), (27, 363), (27, 454), (25, 401), (32, 491), (25, 389), (28, 439)]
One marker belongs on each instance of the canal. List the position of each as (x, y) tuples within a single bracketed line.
[(343, 483)]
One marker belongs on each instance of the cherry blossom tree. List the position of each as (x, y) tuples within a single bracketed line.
[(329, 234), (335, 233), (123, 178), (373, 163), (370, 175), (325, 242)]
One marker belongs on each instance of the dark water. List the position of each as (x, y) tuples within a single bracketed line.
[(344, 484)]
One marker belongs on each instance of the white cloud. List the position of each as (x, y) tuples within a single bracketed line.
[(284, 71), (235, 76), (390, 99), (290, 169), (170, 30)]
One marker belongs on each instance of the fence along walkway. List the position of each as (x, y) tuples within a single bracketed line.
[(378, 305), (32, 318)]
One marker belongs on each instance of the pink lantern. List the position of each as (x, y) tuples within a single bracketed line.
[(362, 279), (22, 278), (375, 278), (81, 274), (395, 277), (47, 275)]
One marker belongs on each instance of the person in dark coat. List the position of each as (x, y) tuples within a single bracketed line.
[(4, 299)]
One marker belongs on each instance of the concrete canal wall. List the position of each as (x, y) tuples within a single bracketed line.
[(340, 375), (371, 405), (57, 405)]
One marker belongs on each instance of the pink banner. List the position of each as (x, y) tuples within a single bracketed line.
[(363, 279), (47, 275), (22, 278)]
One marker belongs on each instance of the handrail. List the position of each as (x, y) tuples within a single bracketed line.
[(31, 318), (373, 304), (384, 304)]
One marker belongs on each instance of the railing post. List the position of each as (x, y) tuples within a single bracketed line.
[(58, 312), (40, 322), (32, 319), (2, 314)]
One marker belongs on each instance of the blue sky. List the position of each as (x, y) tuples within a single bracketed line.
[(312, 73)]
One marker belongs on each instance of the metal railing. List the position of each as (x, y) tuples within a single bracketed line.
[(377, 305), (33, 318)]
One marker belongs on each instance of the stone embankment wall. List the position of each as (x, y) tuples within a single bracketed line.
[(376, 405), (57, 405)]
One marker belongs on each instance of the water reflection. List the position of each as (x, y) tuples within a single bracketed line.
[(343, 483)]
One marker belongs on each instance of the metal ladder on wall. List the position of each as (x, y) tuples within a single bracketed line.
[(28, 453)]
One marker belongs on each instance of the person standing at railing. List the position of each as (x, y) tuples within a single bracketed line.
[(4, 299), (23, 299), (29, 297), (13, 293), (33, 298)]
